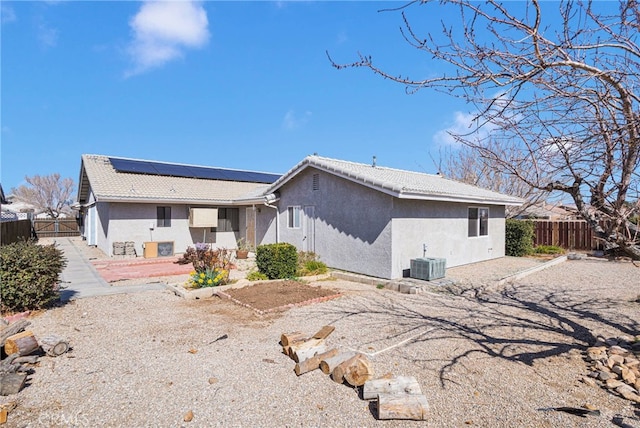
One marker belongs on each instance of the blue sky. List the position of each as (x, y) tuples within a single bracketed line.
[(243, 85)]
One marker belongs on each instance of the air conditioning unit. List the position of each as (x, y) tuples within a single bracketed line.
[(428, 268), (203, 217)]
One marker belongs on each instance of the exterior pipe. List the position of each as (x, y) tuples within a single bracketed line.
[(267, 201)]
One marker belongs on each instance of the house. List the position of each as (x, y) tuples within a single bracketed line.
[(359, 218), (131, 200), (545, 211), (373, 220)]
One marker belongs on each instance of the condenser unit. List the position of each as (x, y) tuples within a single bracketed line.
[(428, 268)]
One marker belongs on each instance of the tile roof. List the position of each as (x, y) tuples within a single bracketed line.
[(107, 184), (401, 183)]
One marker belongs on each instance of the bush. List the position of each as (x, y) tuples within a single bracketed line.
[(518, 237), (29, 275), (255, 275), (308, 264), (277, 261), (548, 249)]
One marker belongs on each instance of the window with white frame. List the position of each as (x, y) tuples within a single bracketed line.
[(478, 221), (293, 221)]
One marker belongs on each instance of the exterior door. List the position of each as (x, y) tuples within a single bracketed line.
[(91, 226), (250, 233), (309, 229)]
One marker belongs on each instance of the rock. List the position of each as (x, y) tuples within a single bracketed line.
[(619, 369), (631, 362), (629, 377), (625, 389), (637, 384), (614, 383), (588, 381), (631, 396), (603, 376), (611, 341), (614, 359), (590, 407), (212, 380), (617, 350), (188, 417)]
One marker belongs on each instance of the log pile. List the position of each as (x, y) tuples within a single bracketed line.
[(397, 397), (20, 351)]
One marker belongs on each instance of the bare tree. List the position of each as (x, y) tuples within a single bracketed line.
[(559, 90), (467, 165), (48, 194)]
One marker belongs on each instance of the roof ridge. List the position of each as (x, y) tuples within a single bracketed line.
[(404, 171)]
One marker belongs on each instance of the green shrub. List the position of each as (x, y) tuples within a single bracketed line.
[(308, 264), (518, 237), (548, 249), (255, 275), (277, 261), (29, 275)]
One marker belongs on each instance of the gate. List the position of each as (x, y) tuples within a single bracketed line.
[(56, 227)]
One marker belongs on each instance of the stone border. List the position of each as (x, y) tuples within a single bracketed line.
[(531, 270), (205, 292)]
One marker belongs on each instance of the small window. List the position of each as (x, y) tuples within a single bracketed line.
[(228, 220), (478, 222), (294, 217), (164, 216)]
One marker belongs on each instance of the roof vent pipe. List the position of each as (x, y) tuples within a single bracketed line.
[(374, 162)]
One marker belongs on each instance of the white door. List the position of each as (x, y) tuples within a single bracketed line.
[(91, 226), (309, 229)]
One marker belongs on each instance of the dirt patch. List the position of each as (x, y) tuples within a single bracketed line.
[(274, 295)]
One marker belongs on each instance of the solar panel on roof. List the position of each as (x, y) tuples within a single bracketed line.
[(175, 170), (127, 165)]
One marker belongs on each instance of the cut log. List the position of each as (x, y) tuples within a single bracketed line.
[(337, 375), (23, 343), (402, 406), (305, 354), (12, 383), (286, 339), (324, 332), (398, 385), (358, 371), (308, 344), (313, 363), (327, 365), (13, 328), (54, 345)]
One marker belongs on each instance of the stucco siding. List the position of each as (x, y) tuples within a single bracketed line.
[(138, 223), (440, 229), (351, 223)]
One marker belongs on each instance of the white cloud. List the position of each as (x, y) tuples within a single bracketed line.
[(162, 30), (292, 121), (47, 36), (463, 124), (8, 14)]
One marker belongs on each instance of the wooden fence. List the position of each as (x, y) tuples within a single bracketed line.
[(14, 231), (53, 228), (568, 234)]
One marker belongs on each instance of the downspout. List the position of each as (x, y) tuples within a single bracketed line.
[(268, 200)]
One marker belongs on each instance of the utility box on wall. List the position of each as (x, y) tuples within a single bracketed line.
[(428, 268)]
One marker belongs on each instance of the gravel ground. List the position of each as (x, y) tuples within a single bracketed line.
[(484, 356)]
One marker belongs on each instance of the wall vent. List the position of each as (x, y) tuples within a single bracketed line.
[(428, 268), (316, 181)]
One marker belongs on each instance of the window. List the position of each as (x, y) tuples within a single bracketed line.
[(228, 220), (478, 221), (164, 216), (294, 217)]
